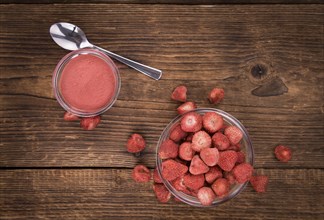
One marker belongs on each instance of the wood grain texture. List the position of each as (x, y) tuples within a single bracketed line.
[(94, 194), (201, 47)]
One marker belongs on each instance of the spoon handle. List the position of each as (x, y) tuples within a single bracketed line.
[(146, 70)]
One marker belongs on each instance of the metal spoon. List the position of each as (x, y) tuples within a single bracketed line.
[(71, 37)]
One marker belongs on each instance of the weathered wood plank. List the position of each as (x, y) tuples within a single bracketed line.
[(201, 47), (97, 194)]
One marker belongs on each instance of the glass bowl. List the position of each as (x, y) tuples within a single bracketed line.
[(246, 147), (58, 74)]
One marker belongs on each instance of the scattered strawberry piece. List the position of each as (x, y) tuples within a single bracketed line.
[(194, 182), (186, 107), (135, 143), (227, 160), (168, 149), (197, 166), (259, 183), (213, 174), (179, 94), (220, 141), (216, 95), (172, 169), (141, 174), (90, 123), (156, 176), (210, 156), (161, 192), (221, 187), (212, 122), (283, 153), (177, 134), (189, 137), (201, 140), (191, 122), (70, 117), (243, 172), (240, 157), (234, 134), (178, 184), (206, 196), (230, 177), (185, 151)]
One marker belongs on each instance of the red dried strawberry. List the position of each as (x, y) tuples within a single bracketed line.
[(191, 122), (185, 151), (161, 192), (197, 166), (259, 183), (186, 107), (168, 149), (172, 169), (213, 174), (201, 140), (220, 141), (227, 160), (179, 94), (283, 153), (178, 184), (177, 134), (206, 196), (242, 172), (156, 176), (212, 122), (216, 95), (70, 117), (141, 174), (90, 123), (234, 134), (135, 143), (210, 156), (221, 187), (194, 182)]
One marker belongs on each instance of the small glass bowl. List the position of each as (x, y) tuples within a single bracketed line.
[(58, 73), (246, 147)]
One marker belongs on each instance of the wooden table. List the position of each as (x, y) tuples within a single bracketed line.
[(267, 57)]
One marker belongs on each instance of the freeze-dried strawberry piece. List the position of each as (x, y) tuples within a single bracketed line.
[(141, 174), (177, 134), (90, 123), (213, 174), (197, 166), (259, 183), (234, 134), (220, 141), (179, 94), (240, 157), (178, 184), (201, 140), (189, 137), (212, 122), (206, 196), (186, 107), (168, 149), (227, 160), (161, 192), (185, 151), (221, 187), (283, 153), (210, 156), (156, 176), (70, 117), (172, 169), (194, 182), (216, 95), (230, 177), (242, 172), (135, 143), (191, 122)]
